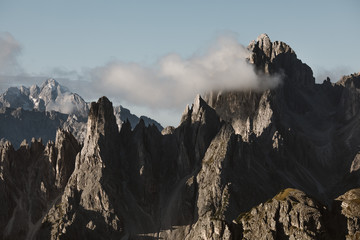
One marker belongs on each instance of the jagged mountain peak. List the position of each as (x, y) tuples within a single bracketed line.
[(15, 97), (24, 90), (264, 43), (262, 37), (36, 176), (279, 58), (352, 80), (215, 176), (101, 118), (51, 96), (141, 124), (102, 131), (193, 113), (53, 88), (269, 48), (198, 103), (123, 114), (253, 111), (46, 100), (100, 107), (59, 98), (50, 83)]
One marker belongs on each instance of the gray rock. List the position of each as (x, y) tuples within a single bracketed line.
[(32, 178), (289, 215), (123, 114), (348, 206)]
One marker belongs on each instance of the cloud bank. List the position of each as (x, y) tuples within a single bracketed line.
[(10, 49), (160, 90), (173, 81)]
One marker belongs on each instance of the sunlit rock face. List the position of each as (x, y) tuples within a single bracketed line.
[(279, 163)]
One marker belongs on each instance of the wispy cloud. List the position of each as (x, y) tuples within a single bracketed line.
[(10, 49), (334, 73), (10, 69), (173, 81), (61, 72)]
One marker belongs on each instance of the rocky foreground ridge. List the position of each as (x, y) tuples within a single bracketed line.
[(274, 164)]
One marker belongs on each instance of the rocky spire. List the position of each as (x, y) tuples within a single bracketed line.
[(67, 148), (101, 119), (102, 130), (87, 182), (265, 44), (199, 112), (278, 57)]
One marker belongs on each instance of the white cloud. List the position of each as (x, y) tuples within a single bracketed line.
[(173, 81), (161, 90)]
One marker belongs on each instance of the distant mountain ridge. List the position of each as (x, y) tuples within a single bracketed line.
[(54, 106), (51, 96), (17, 125), (123, 114)]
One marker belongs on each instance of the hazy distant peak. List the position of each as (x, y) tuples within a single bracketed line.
[(51, 96), (51, 82), (12, 90), (24, 90), (123, 114), (52, 85), (34, 91)]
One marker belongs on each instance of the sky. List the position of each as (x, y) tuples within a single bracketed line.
[(153, 57)]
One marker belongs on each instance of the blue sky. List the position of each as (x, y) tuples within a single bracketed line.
[(61, 38)]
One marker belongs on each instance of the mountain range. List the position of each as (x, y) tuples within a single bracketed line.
[(280, 163), (38, 112)]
